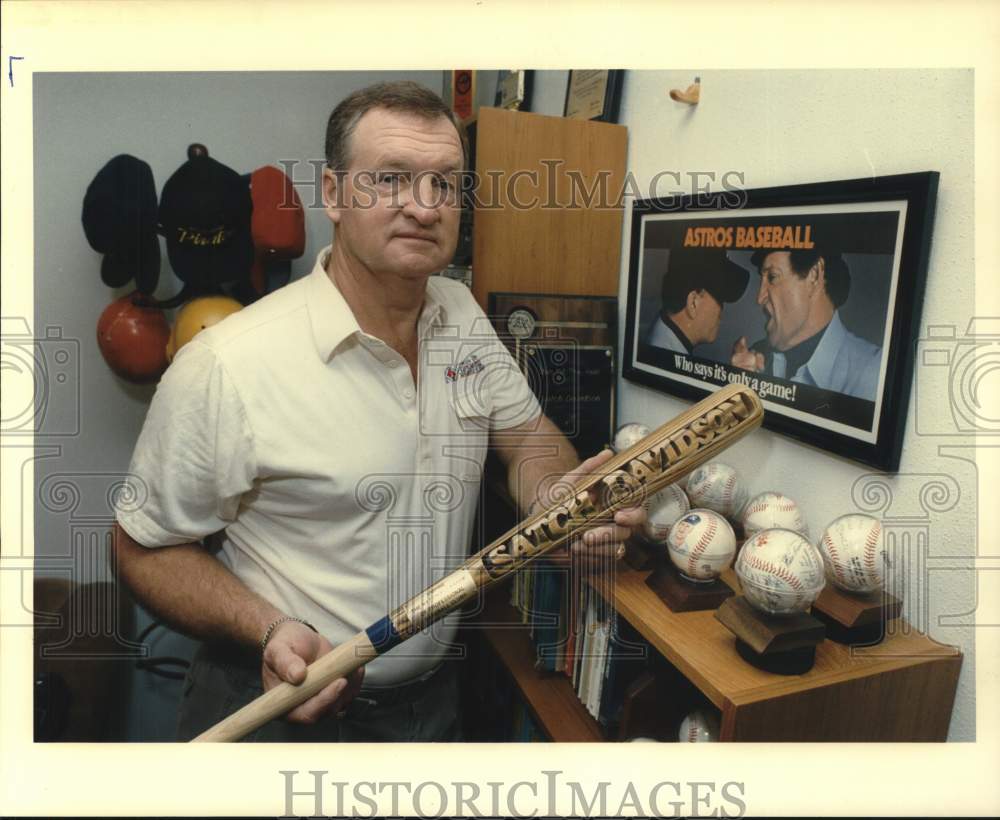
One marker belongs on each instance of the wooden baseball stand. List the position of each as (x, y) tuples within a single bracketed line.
[(639, 555), (856, 619), (682, 595), (780, 644)]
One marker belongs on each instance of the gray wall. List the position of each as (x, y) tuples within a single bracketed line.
[(246, 119)]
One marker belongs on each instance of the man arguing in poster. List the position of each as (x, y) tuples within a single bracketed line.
[(800, 293), (695, 287)]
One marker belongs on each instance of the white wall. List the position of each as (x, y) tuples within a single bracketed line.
[(81, 120), (787, 127)]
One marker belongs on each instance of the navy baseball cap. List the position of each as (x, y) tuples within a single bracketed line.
[(119, 220)]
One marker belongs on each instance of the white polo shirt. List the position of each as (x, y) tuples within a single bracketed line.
[(343, 488)]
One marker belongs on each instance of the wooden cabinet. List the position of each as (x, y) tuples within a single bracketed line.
[(548, 219)]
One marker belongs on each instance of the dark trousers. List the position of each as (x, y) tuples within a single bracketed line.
[(224, 678)]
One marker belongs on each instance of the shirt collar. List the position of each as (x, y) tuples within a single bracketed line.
[(329, 314), (433, 312), (333, 320), (681, 336), (820, 364)]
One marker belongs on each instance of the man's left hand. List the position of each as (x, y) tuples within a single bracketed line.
[(599, 547)]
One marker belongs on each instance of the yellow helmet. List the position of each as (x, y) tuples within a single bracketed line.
[(195, 316)]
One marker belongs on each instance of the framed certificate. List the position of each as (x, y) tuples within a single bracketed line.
[(594, 94), (514, 90)]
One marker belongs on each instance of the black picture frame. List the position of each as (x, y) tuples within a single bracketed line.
[(612, 95), (877, 228)]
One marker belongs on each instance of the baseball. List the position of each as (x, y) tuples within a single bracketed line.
[(627, 435), (663, 510), (716, 486), (781, 572), (853, 551), (772, 510), (701, 726), (701, 545)]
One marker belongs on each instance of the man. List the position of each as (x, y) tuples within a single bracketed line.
[(319, 429), (800, 293), (696, 285)]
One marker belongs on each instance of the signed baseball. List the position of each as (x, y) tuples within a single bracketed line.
[(772, 510), (780, 571), (716, 486), (664, 508), (701, 545), (853, 551), (701, 726), (627, 435)]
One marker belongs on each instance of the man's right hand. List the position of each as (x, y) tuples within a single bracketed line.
[(292, 647), (745, 358)]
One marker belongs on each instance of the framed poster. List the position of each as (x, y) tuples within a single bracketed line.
[(809, 294)]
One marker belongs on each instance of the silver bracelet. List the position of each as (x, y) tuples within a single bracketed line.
[(276, 623)]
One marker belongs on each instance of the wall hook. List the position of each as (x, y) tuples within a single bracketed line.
[(691, 96)]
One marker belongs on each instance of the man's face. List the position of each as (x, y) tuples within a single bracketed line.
[(709, 317), (397, 210), (785, 299)]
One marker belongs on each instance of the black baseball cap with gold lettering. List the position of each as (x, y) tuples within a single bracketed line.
[(708, 269), (204, 214)]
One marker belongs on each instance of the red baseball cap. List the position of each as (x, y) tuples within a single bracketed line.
[(278, 223)]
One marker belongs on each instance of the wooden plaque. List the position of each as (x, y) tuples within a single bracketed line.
[(565, 345)]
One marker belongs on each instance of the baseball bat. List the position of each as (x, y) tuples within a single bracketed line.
[(661, 458)]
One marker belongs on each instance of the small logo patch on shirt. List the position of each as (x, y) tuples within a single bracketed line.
[(469, 365)]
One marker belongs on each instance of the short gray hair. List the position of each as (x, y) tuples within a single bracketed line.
[(405, 96)]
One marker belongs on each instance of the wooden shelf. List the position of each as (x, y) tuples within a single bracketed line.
[(549, 696), (901, 690)]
